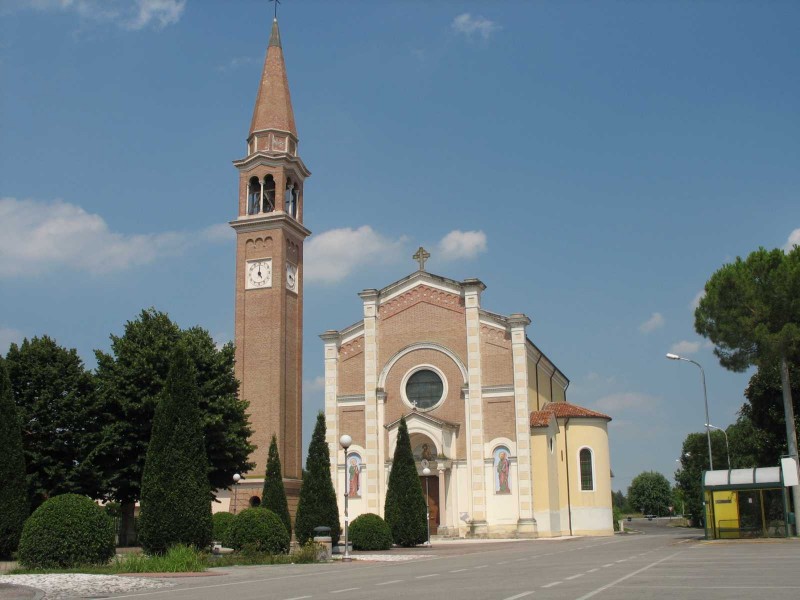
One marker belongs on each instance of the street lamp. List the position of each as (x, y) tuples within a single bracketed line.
[(672, 356), (426, 471), (727, 447), (345, 442), (236, 479)]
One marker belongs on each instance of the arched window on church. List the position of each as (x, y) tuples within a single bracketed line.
[(269, 194), (253, 196), (587, 472), (291, 198)]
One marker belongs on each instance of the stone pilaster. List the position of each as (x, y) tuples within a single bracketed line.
[(475, 451), (518, 323), (370, 299), (331, 340)]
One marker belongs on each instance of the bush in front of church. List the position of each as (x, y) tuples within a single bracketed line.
[(67, 531), (370, 532), (404, 508), (317, 505), (273, 495), (221, 523), (258, 530), (176, 494)]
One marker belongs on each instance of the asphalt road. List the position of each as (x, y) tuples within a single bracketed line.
[(661, 562)]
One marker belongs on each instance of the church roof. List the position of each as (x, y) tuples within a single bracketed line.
[(273, 109), (563, 410)]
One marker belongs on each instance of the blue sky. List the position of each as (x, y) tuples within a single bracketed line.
[(592, 163)]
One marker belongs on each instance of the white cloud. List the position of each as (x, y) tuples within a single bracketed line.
[(794, 240), (314, 385), (333, 255), (655, 321), (685, 347), (9, 336), (236, 62), (626, 401), (468, 25), (36, 237), (128, 14), (462, 244), (696, 300)]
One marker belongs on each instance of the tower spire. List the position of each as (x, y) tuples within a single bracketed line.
[(273, 109)]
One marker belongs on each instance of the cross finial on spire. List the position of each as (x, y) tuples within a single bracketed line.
[(275, 14), (421, 256)]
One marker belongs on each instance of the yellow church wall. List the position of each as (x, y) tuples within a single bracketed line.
[(533, 394), (544, 385), (546, 504), (559, 393), (422, 322)]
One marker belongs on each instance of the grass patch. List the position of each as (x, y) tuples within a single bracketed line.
[(184, 559)]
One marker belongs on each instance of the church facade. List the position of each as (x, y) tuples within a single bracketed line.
[(500, 451)]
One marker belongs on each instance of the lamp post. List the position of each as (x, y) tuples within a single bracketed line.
[(426, 472), (236, 479), (727, 447), (672, 356), (345, 442)]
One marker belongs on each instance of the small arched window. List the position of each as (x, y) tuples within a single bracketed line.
[(587, 474), (291, 198), (269, 194), (255, 502), (253, 196)]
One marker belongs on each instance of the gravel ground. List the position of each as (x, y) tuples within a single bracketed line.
[(80, 585)]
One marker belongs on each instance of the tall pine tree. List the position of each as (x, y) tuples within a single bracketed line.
[(273, 496), (176, 494), (404, 509), (317, 505), (13, 487)]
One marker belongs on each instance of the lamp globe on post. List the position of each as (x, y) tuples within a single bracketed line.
[(426, 472), (345, 442), (672, 356), (236, 479)]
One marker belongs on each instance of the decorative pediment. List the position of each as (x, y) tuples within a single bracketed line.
[(420, 418)]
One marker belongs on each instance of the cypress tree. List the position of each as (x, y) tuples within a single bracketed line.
[(176, 494), (404, 509), (317, 505), (13, 486), (273, 496)]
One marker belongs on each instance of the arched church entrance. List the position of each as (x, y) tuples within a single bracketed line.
[(426, 457)]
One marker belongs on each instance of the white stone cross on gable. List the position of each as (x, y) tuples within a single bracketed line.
[(421, 256)]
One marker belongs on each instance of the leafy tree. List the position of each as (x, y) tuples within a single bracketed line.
[(176, 495), (317, 505), (273, 495), (59, 419), (751, 311), (651, 493), (404, 508), (618, 500), (130, 380), (14, 488), (694, 460)]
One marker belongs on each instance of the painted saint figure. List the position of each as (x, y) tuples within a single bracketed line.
[(503, 472), (354, 474)]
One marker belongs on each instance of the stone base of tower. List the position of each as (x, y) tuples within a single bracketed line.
[(292, 487)]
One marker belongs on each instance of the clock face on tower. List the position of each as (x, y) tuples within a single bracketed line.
[(291, 277), (258, 274)]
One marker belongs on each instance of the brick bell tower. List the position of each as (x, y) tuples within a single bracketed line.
[(269, 278)]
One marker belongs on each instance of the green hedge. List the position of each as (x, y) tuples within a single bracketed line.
[(222, 522), (258, 530), (67, 531), (370, 532)]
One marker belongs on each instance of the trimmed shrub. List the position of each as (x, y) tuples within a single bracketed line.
[(176, 495), (222, 522), (258, 530), (67, 531), (370, 532), (273, 496), (405, 504), (13, 485), (317, 504)]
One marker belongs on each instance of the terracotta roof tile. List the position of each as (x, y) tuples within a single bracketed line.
[(563, 410), (541, 418)]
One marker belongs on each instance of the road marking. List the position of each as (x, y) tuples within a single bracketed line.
[(503, 562), (628, 576), (344, 590), (574, 577), (458, 571), (622, 560), (522, 595), (424, 576), (520, 559), (298, 598), (555, 583), (592, 570), (390, 582), (481, 567), (608, 565)]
